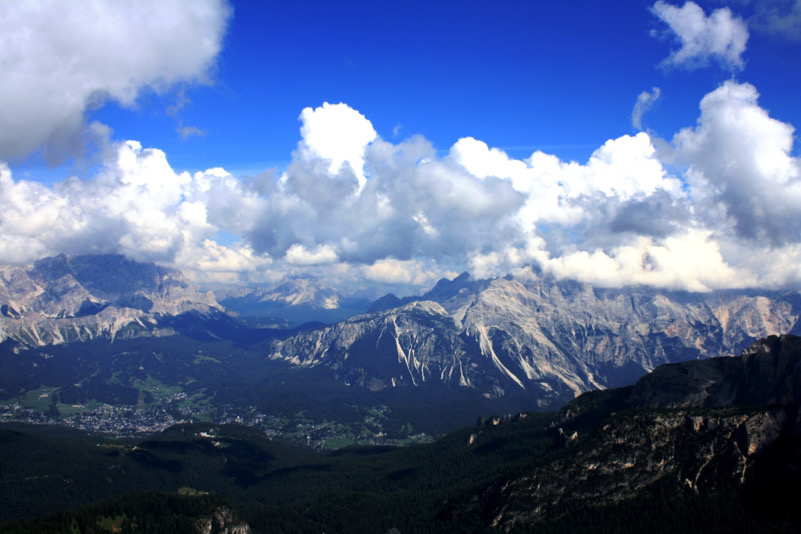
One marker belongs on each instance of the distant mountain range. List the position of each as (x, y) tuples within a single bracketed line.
[(700, 443), (530, 337), (61, 300), (295, 299)]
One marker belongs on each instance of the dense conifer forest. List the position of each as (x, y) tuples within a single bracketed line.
[(76, 482)]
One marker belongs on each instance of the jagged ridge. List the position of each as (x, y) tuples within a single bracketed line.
[(547, 339), (61, 299)]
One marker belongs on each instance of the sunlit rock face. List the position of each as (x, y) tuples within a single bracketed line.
[(544, 338), (61, 299)]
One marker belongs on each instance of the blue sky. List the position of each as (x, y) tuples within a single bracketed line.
[(551, 169), (519, 75)]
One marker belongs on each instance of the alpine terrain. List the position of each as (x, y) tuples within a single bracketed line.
[(60, 300), (533, 336), (295, 299), (534, 341)]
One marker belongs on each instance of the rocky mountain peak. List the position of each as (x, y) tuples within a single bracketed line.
[(299, 291), (64, 298)]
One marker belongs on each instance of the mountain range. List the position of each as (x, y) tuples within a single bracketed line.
[(295, 299), (527, 337), (534, 336), (60, 300), (706, 428), (660, 428)]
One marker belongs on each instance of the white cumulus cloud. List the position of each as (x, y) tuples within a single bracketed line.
[(741, 166), (338, 134), (61, 59), (410, 272), (297, 254), (720, 36), (726, 215)]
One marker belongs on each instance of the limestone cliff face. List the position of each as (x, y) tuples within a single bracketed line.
[(547, 339), (60, 299), (424, 343)]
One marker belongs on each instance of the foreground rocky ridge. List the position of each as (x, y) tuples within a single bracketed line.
[(546, 339), (768, 372), (701, 452), (60, 299)]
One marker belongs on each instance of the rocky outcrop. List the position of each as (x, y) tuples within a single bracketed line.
[(633, 451), (222, 521), (768, 372), (60, 299), (422, 339), (702, 427)]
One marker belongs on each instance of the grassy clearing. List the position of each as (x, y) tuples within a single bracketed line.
[(200, 358), (38, 399), (338, 443), (67, 410), (158, 389)]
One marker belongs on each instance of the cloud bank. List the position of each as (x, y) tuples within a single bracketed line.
[(716, 206), (397, 213), (61, 59)]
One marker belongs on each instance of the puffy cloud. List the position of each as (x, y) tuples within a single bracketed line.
[(622, 219), (136, 205), (338, 134), (298, 255), (596, 200), (690, 261), (720, 36), (61, 59), (211, 263), (644, 102), (731, 199), (356, 207), (740, 165), (409, 272), (412, 205)]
